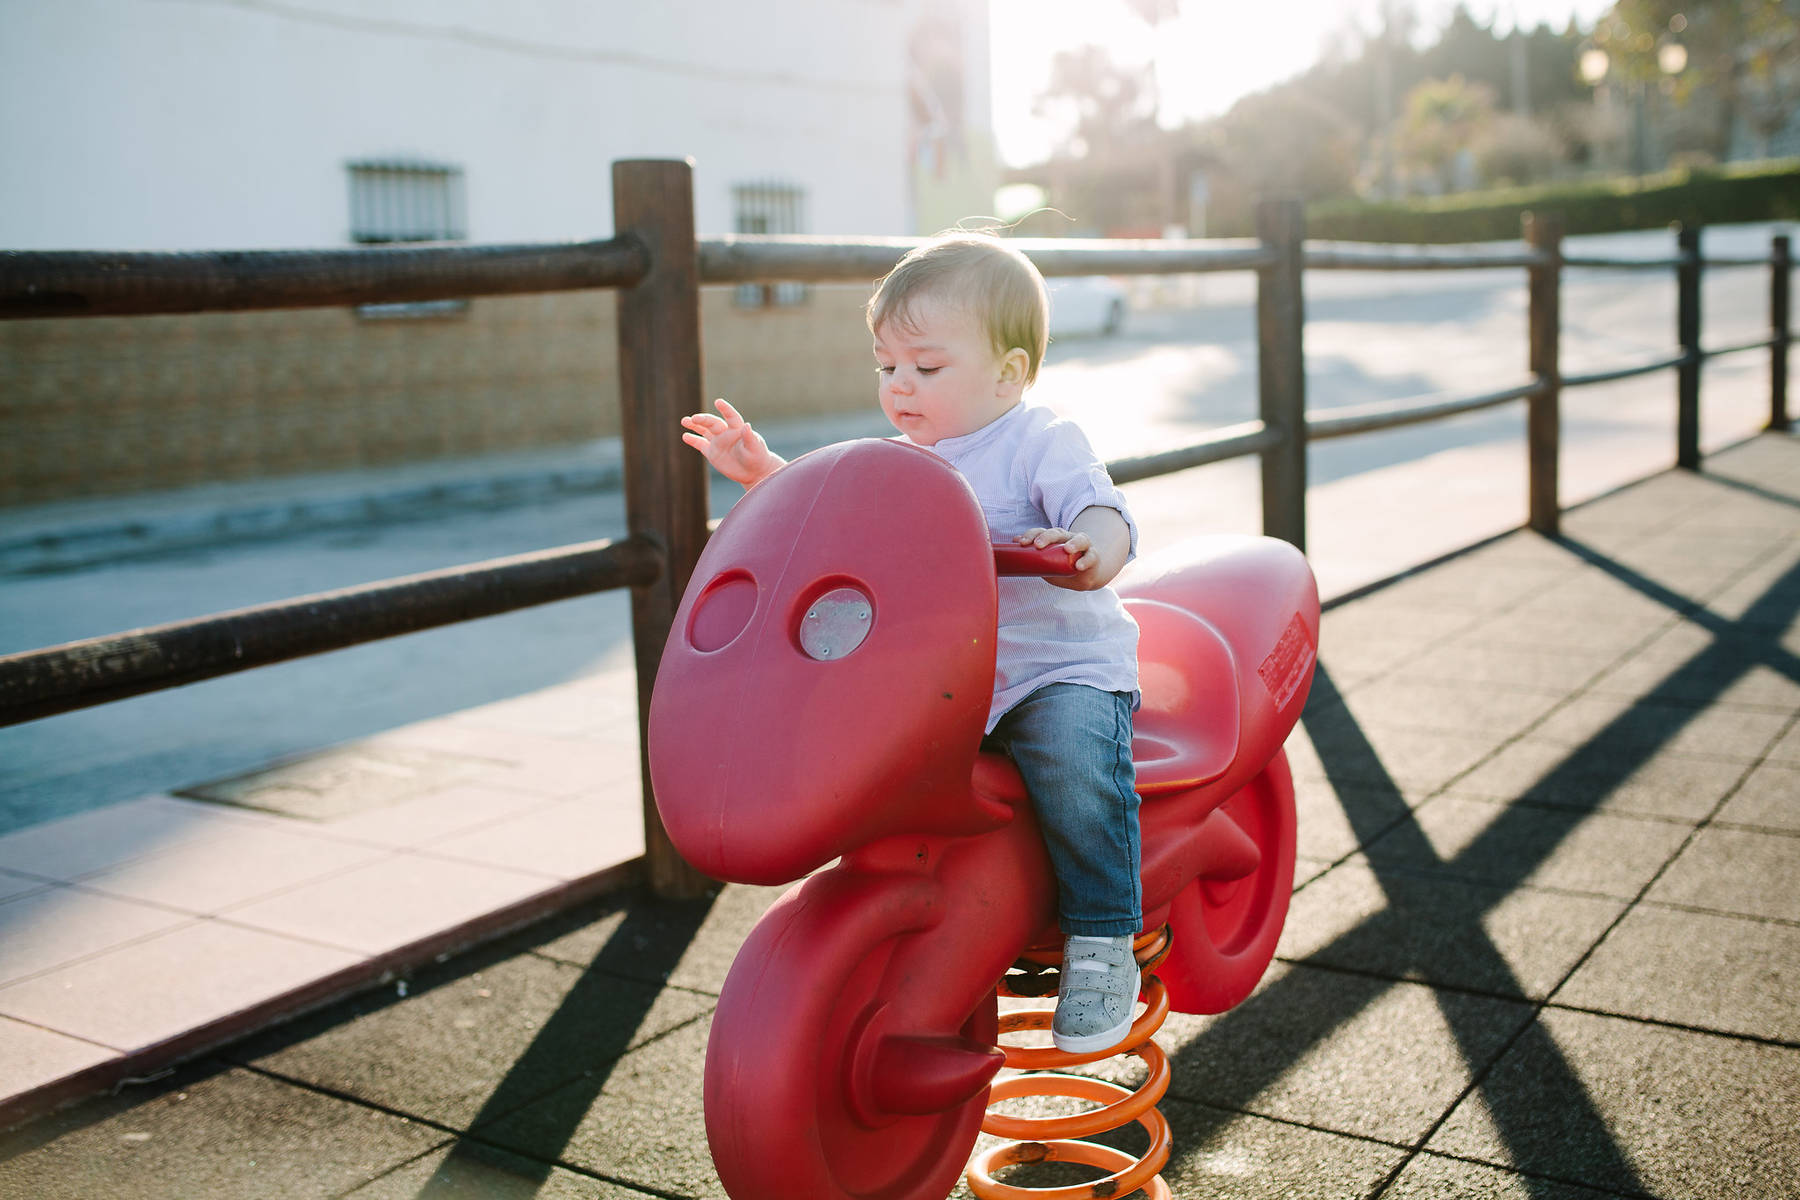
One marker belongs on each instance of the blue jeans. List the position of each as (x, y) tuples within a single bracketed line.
[(1072, 745)]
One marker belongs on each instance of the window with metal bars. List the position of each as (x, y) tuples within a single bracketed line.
[(769, 207), (399, 200)]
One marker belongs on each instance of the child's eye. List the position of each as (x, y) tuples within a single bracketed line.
[(882, 369), (929, 370)]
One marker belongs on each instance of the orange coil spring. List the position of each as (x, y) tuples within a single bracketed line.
[(1041, 1139)]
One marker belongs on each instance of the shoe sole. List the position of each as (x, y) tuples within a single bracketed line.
[(1071, 1044)]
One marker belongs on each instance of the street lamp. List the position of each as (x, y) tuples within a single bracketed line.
[(1671, 60)]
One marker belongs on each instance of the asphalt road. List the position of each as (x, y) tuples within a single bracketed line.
[(1183, 366)]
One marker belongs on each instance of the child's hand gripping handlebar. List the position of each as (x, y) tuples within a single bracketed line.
[(1010, 558)]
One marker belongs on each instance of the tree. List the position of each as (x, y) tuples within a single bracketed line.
[(1097, 101), (1743, 55), (1442, 119)]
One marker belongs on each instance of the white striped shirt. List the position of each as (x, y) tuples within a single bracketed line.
[(1030, 468)]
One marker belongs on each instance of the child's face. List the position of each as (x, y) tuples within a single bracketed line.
[(940, 376)]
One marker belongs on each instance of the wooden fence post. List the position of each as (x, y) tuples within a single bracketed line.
[(1543, 415), (1687, 335), (1281, 367), (1781, 263), (665, 482)]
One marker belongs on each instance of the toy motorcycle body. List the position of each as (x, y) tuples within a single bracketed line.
[(822, 700)]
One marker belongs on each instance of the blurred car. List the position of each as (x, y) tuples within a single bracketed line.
[(1086, 304)]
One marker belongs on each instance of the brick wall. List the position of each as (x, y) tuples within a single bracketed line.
[(118, 405)]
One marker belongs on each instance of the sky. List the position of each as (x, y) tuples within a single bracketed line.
[(1216, 52)]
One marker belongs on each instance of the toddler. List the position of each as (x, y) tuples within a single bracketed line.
[(960, 325)]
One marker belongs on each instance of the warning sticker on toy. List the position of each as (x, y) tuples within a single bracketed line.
[(1287, 665)]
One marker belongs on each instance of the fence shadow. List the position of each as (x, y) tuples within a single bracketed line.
[(1575, 1143)]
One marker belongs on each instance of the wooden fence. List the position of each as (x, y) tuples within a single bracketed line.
[(658, 265)]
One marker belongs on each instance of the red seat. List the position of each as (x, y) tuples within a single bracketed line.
[(1186, 733)]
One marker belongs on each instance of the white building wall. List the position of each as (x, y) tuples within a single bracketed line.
[(203, 124)]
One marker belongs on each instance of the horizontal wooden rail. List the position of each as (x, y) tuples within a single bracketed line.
[(1738, 347), (1660, 364), (1320, 259), (1738, 260), (1622, 264), (764, 258), (42, 683), (83, 283), (1230, 441), (1392, 414)]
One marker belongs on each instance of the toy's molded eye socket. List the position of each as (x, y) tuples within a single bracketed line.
[(835, 624), (722, 611)]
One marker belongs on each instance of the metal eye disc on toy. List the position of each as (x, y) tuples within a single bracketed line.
[(836, 623), (1129, 1174)]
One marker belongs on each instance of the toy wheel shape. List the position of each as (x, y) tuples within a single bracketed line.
[(1225, 930), (788, 1099)]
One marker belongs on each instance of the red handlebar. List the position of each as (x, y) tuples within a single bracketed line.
[(1010, 558)]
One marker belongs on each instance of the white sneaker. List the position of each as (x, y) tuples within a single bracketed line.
[(1099, 986)]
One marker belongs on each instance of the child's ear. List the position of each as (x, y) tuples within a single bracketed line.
[(1015, 365)]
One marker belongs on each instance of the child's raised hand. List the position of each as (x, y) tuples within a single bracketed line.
[(734, 449)]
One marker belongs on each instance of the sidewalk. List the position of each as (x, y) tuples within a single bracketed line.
[(1544, 940)]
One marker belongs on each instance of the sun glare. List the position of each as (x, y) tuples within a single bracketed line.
[(1211, 55)]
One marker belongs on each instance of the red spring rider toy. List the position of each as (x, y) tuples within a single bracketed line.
[(823, 696)]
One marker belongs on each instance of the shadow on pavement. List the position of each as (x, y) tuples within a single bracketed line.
[(1558, 1130)]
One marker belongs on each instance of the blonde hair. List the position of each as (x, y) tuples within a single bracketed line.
[(979, 273)]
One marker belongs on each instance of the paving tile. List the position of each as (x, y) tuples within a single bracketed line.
[(1766, 599), (1338, 819), (1308, 869), (477, 1043), (434, 816), (31, 1057), (565, 839), (41, 930), (641, 1125), (1340, 1052), (470, 1171), (1638, 1108), (1711, 649), (149, 991), (323, 785), (1347, 624), (1433, 1177), (1229, 1156), (1351, 659), (17, 885), (1519, 666), (220, 865), (688, 943), (1508, 941), (1577, 631), (1626, 726), (389, 903), (1718, 681), (103, 837), (1711, 972), (1487, 842), (565, 710), (1737, 871), (1452, 705), (232, 1134), (1465, 583), (1769, 798), (1650, 783), (1787, 750), (1413, 760), (561, 769)]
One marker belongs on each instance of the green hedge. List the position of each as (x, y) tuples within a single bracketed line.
[(1767, 191)]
